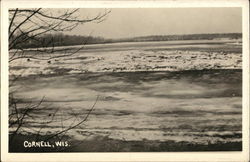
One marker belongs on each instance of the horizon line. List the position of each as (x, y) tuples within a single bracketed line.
[(150, 35)]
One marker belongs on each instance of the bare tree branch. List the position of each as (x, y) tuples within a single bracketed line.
[(34, 12), (76, 125), (65, 18), (12, 19), (33, 25)]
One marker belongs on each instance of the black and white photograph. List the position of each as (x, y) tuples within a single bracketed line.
[(125, 79)]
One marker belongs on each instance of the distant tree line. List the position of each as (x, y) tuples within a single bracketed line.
[(59, 39), (189, 37)]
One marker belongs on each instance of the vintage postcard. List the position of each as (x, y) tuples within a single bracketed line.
[(125, 80)]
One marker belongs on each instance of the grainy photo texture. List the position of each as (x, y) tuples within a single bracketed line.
[(125, 79)]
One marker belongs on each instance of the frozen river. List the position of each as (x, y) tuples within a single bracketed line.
[(163, 95)]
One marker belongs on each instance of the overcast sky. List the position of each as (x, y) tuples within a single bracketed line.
[(133, 22)]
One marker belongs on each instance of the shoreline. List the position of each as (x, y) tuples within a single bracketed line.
[(105, 144)]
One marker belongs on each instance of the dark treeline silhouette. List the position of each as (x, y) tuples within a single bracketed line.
[(52, 40), (189, 37)]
